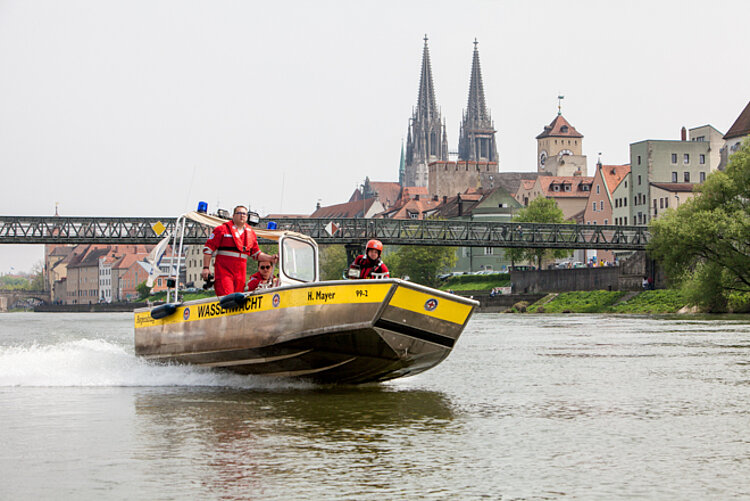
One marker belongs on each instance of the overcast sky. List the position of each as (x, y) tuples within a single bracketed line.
[(142, 108)]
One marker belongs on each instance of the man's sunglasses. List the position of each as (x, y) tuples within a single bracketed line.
[(264, 267), (241, 213)]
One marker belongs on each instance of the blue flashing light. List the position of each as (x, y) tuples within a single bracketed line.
[(271, 225), (202, 207)]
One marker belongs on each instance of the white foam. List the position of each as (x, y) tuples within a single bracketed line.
[(96, 362)]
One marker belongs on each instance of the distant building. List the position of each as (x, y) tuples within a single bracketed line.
[(571, 193), (426, 140), (737, 133), (600, 205), (560, 149), (366, 208), (666, 196), (410, 208), (448, 178), (387, 193), (669, 161), (496, 205), (476, 142)]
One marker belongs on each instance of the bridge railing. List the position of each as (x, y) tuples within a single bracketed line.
[(121, 230)]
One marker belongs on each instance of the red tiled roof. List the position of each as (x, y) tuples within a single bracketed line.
[(575, 183), (412, 191), (559, 127), (411, 206), (614, 174), (348, 209), (741, 126), (127, 260), (675, 187), (286, 216)]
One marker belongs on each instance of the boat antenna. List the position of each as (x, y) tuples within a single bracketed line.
[(281, 202)]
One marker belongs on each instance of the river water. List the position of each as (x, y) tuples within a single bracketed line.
[(526, 407)]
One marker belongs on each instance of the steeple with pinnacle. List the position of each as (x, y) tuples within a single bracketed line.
[(476, 141), (426, 140)]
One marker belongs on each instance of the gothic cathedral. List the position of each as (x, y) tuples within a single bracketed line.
[(426, 140)]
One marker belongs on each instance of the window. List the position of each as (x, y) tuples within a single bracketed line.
[(639, 179), (626, 184), (597, 189), (674, 158), (567, 187), (661, 203), (702, 176), (556, 188), (488, 251), (635, 200), (639, 160), (687, 176), (686, 158), (601, 205), (702, 159), (700, 138), (625, 199), (606, 221), (674, 177), (593, 206)]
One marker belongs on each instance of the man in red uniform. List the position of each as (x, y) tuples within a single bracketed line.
[(231, 242), (264, 278), (370, 265)]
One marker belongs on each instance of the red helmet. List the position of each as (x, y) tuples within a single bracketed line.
[(375, 244)]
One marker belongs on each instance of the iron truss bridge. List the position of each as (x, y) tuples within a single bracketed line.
[(131, 230)]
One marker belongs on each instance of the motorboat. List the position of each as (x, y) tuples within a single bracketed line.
[(342, 331)]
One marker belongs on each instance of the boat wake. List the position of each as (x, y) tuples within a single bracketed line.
[(100, 363)]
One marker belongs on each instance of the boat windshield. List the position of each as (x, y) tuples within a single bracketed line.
[(298, 260)]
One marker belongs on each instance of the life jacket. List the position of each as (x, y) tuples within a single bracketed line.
[(228, 241), (368, 268)]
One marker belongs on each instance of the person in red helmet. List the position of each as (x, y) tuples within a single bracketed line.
[(369, 265)]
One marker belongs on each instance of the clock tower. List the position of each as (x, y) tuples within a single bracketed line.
[(560, 149)]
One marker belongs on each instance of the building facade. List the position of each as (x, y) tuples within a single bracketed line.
[(665, 161)]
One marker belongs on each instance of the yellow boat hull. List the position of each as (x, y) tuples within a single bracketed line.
[(332, 332)]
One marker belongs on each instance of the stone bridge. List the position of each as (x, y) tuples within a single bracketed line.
[(9, 298)]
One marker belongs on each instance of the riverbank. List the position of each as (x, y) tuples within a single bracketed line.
[(633, 302)]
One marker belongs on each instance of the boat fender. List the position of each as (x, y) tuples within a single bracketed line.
[(163, 310), (233, 300)]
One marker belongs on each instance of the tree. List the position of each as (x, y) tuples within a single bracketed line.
[(143, 290), (540, 210), (421, 264), (704, 245), (37, 279), (332, 262)]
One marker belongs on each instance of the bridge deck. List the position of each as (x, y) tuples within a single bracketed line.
[(130, 230)]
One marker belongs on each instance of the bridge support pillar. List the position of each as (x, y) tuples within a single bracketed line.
[(3, 304)]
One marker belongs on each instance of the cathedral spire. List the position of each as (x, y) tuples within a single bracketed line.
[(426, 141), (401, 166), (476, 110), (477, 140), (426, 107)]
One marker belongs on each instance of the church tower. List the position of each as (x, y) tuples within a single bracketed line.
[(560, 148), (476, 141), (426, 140)]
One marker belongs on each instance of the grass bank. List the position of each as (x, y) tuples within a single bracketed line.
[(475, 282), (656, 301)]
